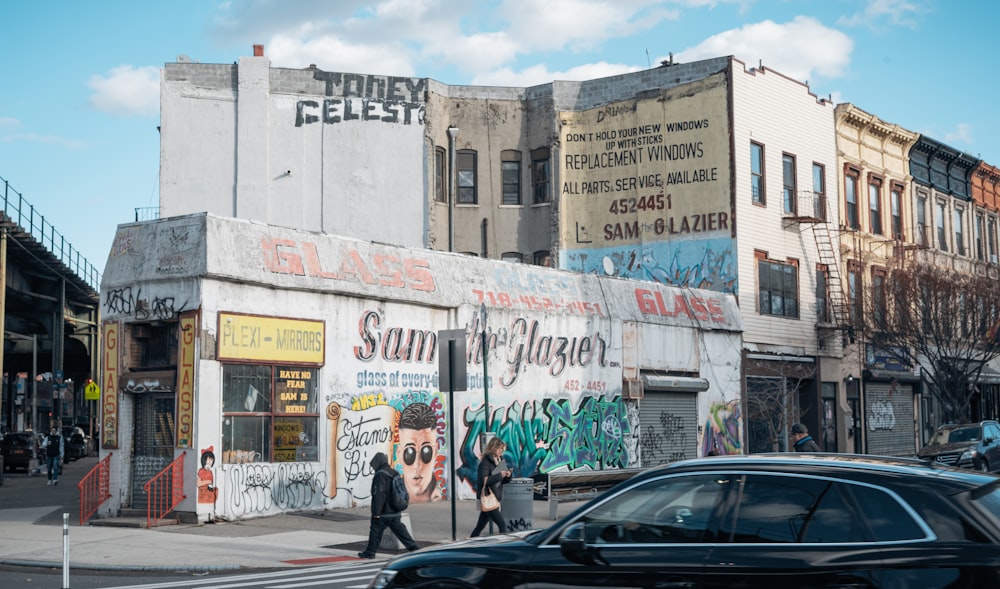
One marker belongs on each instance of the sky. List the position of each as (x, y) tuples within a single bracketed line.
[(79, 83)]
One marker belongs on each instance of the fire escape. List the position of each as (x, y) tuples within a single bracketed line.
[(833, 316)]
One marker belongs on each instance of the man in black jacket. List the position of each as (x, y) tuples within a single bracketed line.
[(803, 442), (382, 516)]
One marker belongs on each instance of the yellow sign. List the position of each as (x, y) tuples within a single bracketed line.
[(270, 339), (92, 392)]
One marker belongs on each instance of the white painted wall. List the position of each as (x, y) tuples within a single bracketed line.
[(555, 366), (782, 115)]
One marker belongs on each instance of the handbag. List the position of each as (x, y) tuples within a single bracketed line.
[(488, 502)]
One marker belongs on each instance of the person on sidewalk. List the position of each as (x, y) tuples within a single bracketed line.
[(802, 441), (491, 476), (382, 516), (54, 451)]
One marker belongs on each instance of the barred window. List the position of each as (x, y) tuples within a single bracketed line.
[(269, 413)]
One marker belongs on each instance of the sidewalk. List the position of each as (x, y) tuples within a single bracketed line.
[(33, 536)]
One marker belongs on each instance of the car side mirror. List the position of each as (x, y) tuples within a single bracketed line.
[(573, 545)]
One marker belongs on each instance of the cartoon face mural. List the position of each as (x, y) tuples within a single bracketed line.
[(417, 450)]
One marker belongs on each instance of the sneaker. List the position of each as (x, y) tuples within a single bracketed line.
[(55, 482), (50, 482), (365, 555)]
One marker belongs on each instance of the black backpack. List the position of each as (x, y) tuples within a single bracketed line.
[(398, 499)]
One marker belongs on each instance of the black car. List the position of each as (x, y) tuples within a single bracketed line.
[(768, 521), (74, 443), (19, 448), (968, 445)]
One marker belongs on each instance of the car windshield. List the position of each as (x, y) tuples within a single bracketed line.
[(955, 436), (19, 440)]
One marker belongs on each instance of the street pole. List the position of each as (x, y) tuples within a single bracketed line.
[(451, 434), (486, 378), (452, 134)]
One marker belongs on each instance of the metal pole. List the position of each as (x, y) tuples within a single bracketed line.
[(486, 378), (34, 382), (452, 134), (451, 433), (65, 584)]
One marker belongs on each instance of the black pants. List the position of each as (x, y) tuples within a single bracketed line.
[(395, 523), (485, 517)]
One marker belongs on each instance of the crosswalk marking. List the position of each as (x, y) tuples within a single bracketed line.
[(283, 579)]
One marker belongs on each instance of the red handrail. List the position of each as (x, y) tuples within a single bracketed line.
[(165, 491), (94, 488)]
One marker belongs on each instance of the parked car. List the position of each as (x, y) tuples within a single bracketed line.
[(18, 449), (766, 520), (967, 445), (74, 443)]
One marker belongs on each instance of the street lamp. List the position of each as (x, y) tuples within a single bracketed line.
[(452, 134), (486, 379)]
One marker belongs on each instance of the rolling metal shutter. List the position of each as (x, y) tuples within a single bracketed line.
[(668, 427), (889, 419)]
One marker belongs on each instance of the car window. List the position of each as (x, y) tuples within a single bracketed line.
[(675, 509), (965, 434), (790, 509)]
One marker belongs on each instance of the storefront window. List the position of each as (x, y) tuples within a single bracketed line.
[(270, 413)]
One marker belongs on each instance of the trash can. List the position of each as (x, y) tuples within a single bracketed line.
[(516, 504)]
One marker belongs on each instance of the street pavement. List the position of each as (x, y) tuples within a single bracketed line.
[(32, 532)]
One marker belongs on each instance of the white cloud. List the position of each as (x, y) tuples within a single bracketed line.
[(332, 54), (962, 133), (127, 91), (802, 49), (896, 12), (539, 74)]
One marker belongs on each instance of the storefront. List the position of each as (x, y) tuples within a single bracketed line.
[(277, 362)]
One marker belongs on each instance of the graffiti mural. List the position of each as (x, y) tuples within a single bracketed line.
[(722, 430), (665, 441), (264, 488)]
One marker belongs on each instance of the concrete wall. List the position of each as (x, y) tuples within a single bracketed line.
[(322, 151), (557, 357)]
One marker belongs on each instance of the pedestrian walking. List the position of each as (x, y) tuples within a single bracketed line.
[(491, 476), (382, 514), (55, 449), (802, 441)]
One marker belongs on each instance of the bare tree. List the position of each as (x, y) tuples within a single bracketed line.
[(943, 321)]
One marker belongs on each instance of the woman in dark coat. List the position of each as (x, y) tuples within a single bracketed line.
[(490, 479)]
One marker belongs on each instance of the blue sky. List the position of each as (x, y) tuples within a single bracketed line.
[(79, 101)]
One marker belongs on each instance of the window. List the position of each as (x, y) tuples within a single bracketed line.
[(875, 205), (512, 257), (878, 297), (822, 302), (542, 258), (896, 210), (788, 190), (819, 191), (790, 509), (780, 509), (980, 229), (511, 175), (541, 178), (269, 413), (959, 225), (991, 239), (465, 166), (673, 510), (942, 235), (851, 198), (757, 173), (440, 175), (854, 291), (922, 237), (778, 289)]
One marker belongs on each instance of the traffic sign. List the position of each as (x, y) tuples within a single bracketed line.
[(92, 392)]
